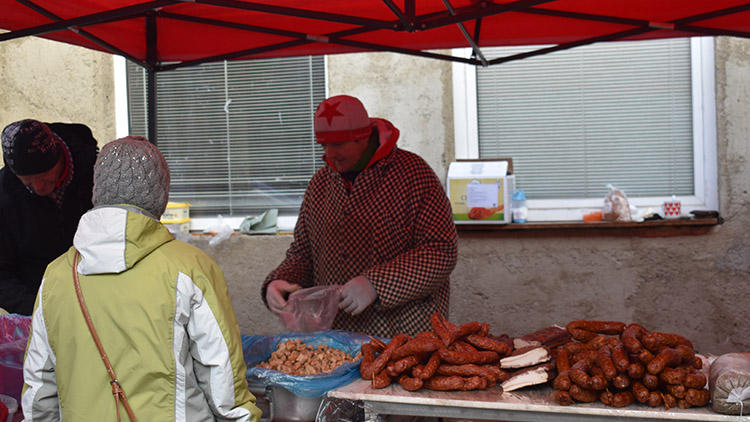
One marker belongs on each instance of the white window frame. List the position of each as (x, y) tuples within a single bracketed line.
[(466, 135)]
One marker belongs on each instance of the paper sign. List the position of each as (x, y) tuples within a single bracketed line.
[(481, 195)]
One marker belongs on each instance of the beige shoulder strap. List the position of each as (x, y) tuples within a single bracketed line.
[(117, 390)]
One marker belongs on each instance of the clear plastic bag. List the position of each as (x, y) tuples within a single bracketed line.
[(259, 348), (311, 309), (616, 206), (14, 334)]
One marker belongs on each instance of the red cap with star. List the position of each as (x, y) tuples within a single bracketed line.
[(341, 118)]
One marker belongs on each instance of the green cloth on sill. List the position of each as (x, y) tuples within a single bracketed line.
[(262, 224)]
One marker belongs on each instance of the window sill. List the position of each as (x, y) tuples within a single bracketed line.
[(653, 228)]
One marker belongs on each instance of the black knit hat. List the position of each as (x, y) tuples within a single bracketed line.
[(30, 147)]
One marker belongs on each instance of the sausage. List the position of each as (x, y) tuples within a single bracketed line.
[(686, 352), (598, 383), (444, 383), (599, 341), (381, 380), (672, 376), (669, 400), (645, 356), (583, 395), (631, 336), (368, 356), (697, 397), (651, 381), (382, 360), (677, 390), (668, 357), (409, 383), (485, 331), (428, 369), (655, 340), (621, 381), (462, 346), (501, 374), (604, 360), (595, 327), (474, 383), (697, 362), (578, 374), (636, 370), (377, 344), (620, 357), (574, 347), (467, 370), (683, 404), (436, 320), (622, 399), (640, 392), (562, 360), (428, 335), (401, 365), (460, 358), (562, 381), (606, 397), (695, 380), (416, 346), (563, 398), (587, 355), (655, 399), (464, 330), (485, 343)]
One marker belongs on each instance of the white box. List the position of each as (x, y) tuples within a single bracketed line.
[(480, 192), (178, 226)]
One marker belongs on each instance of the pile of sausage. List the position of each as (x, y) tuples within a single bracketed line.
[(620, 364), (449, 358)]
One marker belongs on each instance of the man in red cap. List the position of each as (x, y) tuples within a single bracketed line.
[(45, 188), (376, 221)]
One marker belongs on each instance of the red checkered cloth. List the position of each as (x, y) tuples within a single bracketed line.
[(395, 227)]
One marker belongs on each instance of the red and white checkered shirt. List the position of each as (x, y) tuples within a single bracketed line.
[(395, 226)]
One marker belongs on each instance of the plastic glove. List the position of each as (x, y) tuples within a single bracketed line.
[(357, 294), (276, 294)]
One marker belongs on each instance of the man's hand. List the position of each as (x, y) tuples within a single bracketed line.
[(276, 294), (356, 295)]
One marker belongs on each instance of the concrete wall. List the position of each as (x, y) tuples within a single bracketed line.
[(56, 82), (697, 286)]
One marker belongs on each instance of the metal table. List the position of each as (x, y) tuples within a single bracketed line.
[(531, 404)]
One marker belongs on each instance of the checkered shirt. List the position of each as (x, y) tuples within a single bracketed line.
[(395, 227)]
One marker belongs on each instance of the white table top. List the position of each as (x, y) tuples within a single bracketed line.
[(528, 404)]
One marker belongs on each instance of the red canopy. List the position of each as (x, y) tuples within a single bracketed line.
[(165, 34)]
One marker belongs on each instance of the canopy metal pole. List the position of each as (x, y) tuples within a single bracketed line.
[(151, 76)]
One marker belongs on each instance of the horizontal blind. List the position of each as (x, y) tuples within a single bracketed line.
[(574, 121), (237, 135)]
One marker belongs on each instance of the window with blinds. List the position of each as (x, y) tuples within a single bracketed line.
[(574, 121), (237, 135)]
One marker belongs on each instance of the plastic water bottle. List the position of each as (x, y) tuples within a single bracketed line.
[(520, 208)]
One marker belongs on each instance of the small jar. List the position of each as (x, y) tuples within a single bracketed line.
[(520, 208)]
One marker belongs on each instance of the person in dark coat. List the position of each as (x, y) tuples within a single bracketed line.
[(45, 188)]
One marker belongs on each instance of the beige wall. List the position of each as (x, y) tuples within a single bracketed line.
[(697, 286), (56, 82)]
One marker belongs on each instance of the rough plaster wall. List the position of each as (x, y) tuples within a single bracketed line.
[(697, 286), (403, 90), (56, 82)]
